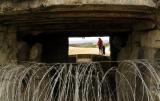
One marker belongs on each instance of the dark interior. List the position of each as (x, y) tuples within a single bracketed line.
[(55, 44)]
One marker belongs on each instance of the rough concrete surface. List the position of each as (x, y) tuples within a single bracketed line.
[(25, 4)]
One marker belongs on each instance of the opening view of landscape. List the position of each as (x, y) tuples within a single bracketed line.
[(87, 45)]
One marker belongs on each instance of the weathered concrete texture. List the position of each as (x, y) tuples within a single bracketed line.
[(127, 53), (36, 52), (19, 5), (150, 42), (143, 26), (8, 44), (141, 45), (151, 39), (137, 48), (132, 49), (158, 15), (28, 52), (23, 51)]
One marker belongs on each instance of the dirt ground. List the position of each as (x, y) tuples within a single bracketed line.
[(79, 50)]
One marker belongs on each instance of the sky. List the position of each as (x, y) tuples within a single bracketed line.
[(78, 40)]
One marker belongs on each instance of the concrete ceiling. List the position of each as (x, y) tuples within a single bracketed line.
[(85, 18)]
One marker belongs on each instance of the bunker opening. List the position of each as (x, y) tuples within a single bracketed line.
[(51, 47), (88, 49)]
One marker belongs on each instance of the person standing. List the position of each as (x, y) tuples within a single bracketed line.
[(100, 45)]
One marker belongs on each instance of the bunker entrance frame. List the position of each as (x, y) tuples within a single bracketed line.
[(59, 22), (51, 48)]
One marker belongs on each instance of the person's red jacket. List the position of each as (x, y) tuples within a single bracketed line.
[(100, 43)]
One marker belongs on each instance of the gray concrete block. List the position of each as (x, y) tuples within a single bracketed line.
[(151, 39)]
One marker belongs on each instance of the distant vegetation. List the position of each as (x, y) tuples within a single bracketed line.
[(87, 45)]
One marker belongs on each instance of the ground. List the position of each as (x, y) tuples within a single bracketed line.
[(82, 50)]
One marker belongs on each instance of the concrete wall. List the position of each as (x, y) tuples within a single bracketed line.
[(8, 44), (43, 47), (48, 48), (141, 45), (25, 4), (131, 50)]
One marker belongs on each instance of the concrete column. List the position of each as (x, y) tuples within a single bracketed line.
[(133, 48), (54, 48), (29, 49), (8, 44), (140, 45), (151, 43), (23, 51), (36, 52), (128, 52)]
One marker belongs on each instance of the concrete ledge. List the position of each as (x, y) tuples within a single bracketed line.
[(80, 18), (89, 57), (85, 7), (7, 5)]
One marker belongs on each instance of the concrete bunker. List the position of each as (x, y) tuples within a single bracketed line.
[(41, 34), (49, 29)]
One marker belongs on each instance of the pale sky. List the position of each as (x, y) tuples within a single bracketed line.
[(76, 40)]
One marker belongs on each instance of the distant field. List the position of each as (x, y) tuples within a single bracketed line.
[(82, 50), (87, 45)]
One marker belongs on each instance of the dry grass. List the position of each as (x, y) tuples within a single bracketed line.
[(80, 50)]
